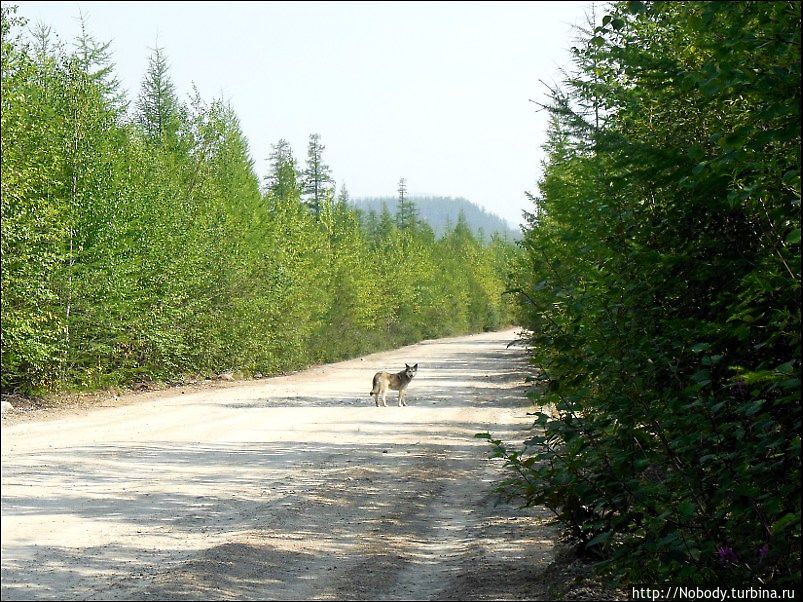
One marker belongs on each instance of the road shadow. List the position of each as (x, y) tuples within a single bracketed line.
[(364, 505), (341, 516), (469, 377)]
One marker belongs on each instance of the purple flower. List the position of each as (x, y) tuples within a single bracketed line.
[(726, 554), (763, 551), (739, 389)]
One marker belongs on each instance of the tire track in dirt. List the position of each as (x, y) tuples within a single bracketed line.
[(295, 487)]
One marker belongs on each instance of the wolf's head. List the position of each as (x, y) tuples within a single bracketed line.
[(410, 371)]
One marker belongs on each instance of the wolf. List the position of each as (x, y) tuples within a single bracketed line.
[(397, 382)]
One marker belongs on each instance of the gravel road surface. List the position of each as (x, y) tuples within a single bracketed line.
[(296, 487)]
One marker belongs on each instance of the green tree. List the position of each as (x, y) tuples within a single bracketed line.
[(159, 111), (317, 177), (95, 59), (406, 213), (661, 289), (147, 251), (283, 179), (33, 230)]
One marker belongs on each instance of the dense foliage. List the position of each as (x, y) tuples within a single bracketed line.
[(138, 243), (442, 213), (661, 291)]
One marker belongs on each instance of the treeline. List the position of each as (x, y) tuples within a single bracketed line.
[(442, 213), (661, 290), (138, 243)]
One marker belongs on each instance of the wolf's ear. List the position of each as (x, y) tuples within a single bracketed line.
[(415, 367), (406, 365)]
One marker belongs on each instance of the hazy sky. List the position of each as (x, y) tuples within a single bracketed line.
[(437, 93)]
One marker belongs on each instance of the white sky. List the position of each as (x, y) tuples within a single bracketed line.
[(435, 92)]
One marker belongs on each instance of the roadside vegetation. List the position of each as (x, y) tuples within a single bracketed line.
[(139, 243), (658, 279), (660, 287)]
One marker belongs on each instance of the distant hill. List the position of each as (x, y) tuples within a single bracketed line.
[(440, 212)]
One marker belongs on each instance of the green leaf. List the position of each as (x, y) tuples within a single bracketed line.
[(753, 408), (702, 377), (784, 523), (696, 153), (599, 539), (635, 7)]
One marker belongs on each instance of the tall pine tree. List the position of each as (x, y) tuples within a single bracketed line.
[(407, 214), (95, 58), (158, 108), (283, 179), (316, 177)]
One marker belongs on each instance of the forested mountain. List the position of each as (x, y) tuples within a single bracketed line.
[(138, 241), (442, 213)]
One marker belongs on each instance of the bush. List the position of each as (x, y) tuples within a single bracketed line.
[(661, 288)]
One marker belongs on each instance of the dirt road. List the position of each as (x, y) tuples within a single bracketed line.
[(295, 487)]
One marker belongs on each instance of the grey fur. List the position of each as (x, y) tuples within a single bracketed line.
[(398, 382)]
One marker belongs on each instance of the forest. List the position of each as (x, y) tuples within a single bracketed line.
[(442, 213), (140, 244), (660, 283), (657, 282)]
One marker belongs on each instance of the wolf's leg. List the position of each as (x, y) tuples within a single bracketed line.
[(401, 398)]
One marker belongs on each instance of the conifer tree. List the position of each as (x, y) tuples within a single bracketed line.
[(95, 58), (386, 224), (146, 252), (158, 108), (407, 214), (343, 195), (283, 177), (316, 177), (45, 44)]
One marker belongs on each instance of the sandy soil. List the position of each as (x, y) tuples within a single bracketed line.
[(295, 487)]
